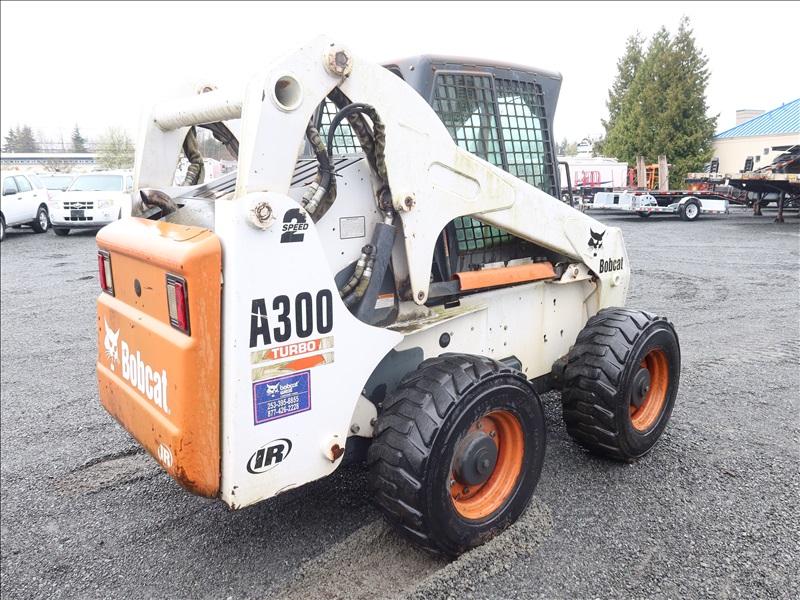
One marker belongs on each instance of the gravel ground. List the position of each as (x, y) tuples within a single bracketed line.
[(712, 512)]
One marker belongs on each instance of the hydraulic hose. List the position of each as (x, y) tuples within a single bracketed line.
[(324, 186), (195, 173), (361, 265)]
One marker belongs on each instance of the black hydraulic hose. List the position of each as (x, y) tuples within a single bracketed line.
[(325, 183), (224, 135), (376, 152), (195, 173)]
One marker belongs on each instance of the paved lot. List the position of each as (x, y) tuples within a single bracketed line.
[(712, 512)]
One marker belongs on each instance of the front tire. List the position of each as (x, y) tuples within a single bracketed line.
[(61, 231), (621, 381), (457, 452), (2, 228), (42, 222)]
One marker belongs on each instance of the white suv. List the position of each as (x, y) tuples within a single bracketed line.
[(92, 201), (24, 202)]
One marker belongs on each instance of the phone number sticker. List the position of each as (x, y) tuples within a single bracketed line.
[(281, 397)]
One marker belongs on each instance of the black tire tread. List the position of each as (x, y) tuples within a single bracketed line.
[(35, 224), (404, 435), (593, 376)]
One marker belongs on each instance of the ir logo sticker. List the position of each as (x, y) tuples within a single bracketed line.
[(165, 455), (269, 456)]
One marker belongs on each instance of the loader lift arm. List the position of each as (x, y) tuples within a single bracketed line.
[(433, 181)]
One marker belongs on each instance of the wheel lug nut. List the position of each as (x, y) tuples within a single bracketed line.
[(480, 424), (466, 490), (492, 433)]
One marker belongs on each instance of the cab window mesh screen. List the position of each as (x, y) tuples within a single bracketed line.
[(344, 140), (466, 105), (474, 236), (526, 140)]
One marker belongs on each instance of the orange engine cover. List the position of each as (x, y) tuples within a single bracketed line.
[(161, 384)]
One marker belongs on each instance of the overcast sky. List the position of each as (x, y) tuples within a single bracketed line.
[(96, 64)]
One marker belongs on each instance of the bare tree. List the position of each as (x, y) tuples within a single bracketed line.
[(115, 149)]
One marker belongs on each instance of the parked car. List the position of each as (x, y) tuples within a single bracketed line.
[(24, 203), (56, 182), (92, 201)]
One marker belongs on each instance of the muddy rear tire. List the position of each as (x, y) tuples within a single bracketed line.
[(621, 381), (457, 452)]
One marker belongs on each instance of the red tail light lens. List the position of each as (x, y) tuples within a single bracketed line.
[(178, 303), (104, 266)]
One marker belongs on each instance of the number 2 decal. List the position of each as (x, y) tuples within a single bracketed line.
[(306, 315)]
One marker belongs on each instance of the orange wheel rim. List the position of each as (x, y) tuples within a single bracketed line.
[(646, 414), (478, 501)]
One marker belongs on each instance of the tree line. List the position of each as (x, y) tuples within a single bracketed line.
[(115, 148)]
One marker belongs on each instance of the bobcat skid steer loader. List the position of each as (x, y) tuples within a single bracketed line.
[(388, 276)]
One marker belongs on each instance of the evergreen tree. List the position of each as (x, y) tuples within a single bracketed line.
[(663, 109), (78, 141), (21, 139), (626, 69), (26, 141), (115, 150), (11, 140)]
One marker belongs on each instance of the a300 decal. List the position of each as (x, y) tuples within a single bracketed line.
[(304, 316)]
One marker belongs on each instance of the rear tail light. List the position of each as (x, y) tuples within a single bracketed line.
[(104, 266), (178, 303)]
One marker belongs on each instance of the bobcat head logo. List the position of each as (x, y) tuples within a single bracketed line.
[(272, 389), (110, 343), (596, 241)]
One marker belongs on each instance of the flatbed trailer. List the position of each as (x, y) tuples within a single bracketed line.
[(688, 205), (663, 198), (762, 183)]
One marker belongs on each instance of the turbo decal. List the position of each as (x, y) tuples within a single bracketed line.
[(281, 397), (290, 350), (302, 363), (299, 356)]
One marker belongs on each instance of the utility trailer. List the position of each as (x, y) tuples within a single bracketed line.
[(689, 206), (777, 182)]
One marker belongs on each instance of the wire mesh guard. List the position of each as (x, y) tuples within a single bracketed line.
[(502, 121)]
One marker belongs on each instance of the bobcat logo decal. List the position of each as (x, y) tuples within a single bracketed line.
[(596, 241), (110, 343)]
